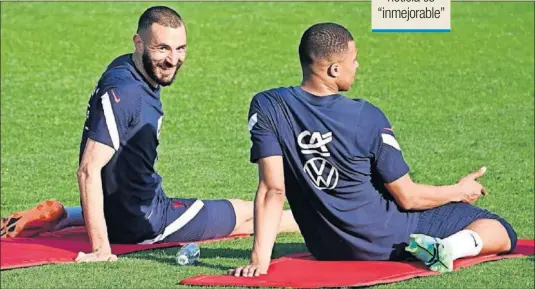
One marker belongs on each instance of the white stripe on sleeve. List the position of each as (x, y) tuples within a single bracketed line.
[(252, 121), (110, 120), (391, 141)]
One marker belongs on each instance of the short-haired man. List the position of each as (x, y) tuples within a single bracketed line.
[(339, 164), (121, 193)]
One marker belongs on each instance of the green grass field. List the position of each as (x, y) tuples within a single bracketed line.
[(457, 100)]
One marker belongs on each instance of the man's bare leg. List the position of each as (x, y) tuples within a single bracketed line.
[(244, 211)]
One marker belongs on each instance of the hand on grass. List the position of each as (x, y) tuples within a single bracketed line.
[(251, 270), (96, 256)]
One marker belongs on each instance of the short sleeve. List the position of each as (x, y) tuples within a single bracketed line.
[(387, 158), (111, 114), (263, 136)]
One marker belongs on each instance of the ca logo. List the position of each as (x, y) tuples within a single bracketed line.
[(321, 172)]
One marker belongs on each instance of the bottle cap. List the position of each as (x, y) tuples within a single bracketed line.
[(182, 260)]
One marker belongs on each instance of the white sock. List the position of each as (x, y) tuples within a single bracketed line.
[(73, 218), (465, 243)]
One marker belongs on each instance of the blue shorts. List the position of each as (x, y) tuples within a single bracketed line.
[(448, 219), (202, 220)]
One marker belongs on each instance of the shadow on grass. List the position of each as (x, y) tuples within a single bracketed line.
[(167, 255)]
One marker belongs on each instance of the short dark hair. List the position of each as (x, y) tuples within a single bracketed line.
[(323, 40), (159, 14)]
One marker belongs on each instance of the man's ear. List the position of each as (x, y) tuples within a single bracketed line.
[(138, 43), (333, 70)]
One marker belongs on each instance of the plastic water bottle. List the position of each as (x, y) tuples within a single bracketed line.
[(188, 254)]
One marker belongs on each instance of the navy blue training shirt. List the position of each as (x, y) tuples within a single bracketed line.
[(125, 113), (338, 153)]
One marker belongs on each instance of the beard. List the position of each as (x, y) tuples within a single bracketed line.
[(151, 70)]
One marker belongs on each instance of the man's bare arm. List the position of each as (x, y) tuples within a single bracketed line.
[(94, 158), (413, 196), (269, 203)]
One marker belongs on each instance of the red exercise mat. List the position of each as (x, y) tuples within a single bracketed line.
[(63, 247), (302, 271)]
